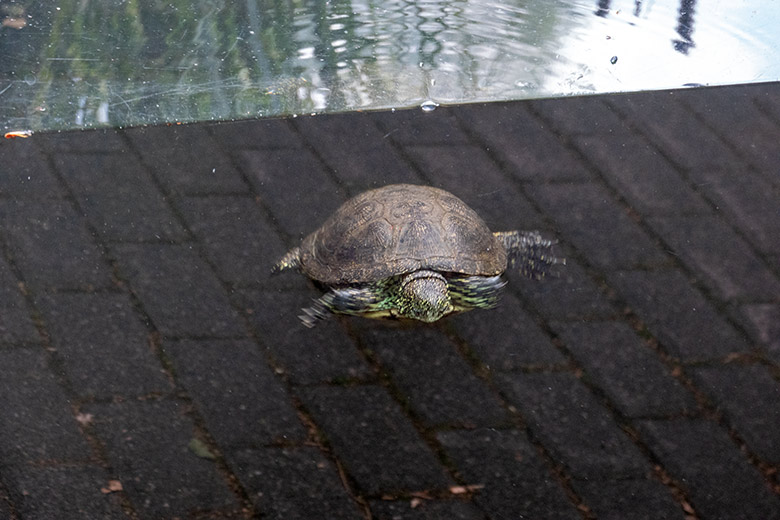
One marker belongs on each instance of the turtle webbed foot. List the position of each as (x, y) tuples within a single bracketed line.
[(319, 311), (350, 300), (529, 252)]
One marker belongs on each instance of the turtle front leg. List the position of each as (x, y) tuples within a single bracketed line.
[(350, 300), (531, 253), (475, 292)]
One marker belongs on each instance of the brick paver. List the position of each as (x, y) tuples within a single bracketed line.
[(645, 499), (36, 228), (290, 180), (153, 368), (763, 322), (569, 294), (578, 430), (293, 483), (682, 137), (31, 176), (727, 262), (369, 151), (16, 325), (617, 361), (703, 467), (517, 482), (590, 219), (37, 424), (378, 445), (67, 492), (624, 159), (749, 200), (739, 119), (407, 129), (588, 115), (224, 377), (305, 359), (425, 510), (508, 337), (160, 478), (182, 172), (179, 290), (91, 332), (235, 235), (126, 205), (433, 378), (748, 395), (523, 142), (678, 315)]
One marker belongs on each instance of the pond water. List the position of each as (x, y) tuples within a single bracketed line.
[(85, 64), (152, 367)]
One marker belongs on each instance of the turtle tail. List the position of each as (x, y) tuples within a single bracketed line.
[(291, 260), (531, 254)]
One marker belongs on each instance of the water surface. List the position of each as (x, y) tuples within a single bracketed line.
[(84, 64)]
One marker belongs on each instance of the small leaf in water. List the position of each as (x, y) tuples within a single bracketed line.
[(199, 448)]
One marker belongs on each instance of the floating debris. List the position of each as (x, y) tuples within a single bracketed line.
[(112, 487), (199, 448), (24, 134)]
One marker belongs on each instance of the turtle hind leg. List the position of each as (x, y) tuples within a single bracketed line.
[(291, 260), (311, 315), (350, 300), (529, 252)]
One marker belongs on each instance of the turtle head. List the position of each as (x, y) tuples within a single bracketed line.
[(424, 296)]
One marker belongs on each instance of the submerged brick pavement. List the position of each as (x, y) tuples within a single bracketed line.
[(151, 367)]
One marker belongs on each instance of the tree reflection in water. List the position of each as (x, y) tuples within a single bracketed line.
[(82, 64)]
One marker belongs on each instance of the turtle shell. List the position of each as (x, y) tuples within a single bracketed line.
[(398, 229)]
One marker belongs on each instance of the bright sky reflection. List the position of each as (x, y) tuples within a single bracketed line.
[(730, 43)]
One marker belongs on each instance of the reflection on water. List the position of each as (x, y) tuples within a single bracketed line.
[(80, 64)]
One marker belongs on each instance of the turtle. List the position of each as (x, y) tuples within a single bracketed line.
[(409, 251)]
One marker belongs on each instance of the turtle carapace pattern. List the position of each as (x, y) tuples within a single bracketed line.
[(407, 251)]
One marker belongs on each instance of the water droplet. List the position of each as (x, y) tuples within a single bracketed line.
[(429, 106), (613, 60)]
